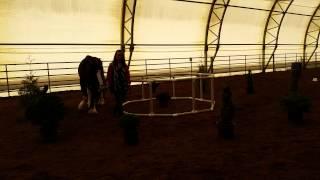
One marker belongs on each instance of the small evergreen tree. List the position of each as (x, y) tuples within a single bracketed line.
[(29, 89)]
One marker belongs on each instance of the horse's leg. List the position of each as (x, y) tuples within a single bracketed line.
[(100, 80), (92, 101), (99, 77), (84, 100), (89, 97), (82, 103), (101, 98)]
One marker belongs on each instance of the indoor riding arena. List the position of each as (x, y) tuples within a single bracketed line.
[(159, 89)]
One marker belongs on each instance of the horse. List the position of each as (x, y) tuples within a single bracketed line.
[(92, 83)]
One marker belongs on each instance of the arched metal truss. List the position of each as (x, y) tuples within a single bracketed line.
[(127, 26), (272, 31), (311, 39), (213, 30)]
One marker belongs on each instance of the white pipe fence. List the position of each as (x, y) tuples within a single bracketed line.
[(60, 76), (152, 111)]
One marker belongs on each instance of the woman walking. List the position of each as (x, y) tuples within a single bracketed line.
[(118, 79)]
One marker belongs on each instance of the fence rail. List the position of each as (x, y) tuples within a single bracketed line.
[(61, 76)]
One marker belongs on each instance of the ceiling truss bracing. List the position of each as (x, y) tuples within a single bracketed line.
[(311, 39), (127, 26), (272, 31), (213, 30)]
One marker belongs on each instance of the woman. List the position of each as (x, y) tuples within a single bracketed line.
[(118, 79)]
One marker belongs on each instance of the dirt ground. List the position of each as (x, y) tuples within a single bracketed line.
[(90, 147)]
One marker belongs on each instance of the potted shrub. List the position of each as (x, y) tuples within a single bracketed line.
[(296, 105), (46, 111), (29, 93), (226, 124), (130, 124), (296, 70), (163, 99), (250, 88)]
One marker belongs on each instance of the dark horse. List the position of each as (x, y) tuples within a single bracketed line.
[(92, 81)]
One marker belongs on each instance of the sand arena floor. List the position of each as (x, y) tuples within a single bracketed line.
[(186, 147)]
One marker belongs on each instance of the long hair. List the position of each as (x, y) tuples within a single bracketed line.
[(118, 74), (118, 58)]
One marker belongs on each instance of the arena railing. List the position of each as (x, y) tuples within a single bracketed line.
[(61, 76)]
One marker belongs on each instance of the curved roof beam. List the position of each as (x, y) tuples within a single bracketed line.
[(213, 30), (127, 26), (311, 39), (272, 31)]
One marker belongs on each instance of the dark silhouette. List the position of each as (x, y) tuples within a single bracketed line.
[(250, 88), (130, 124), (118, 79), (91, 81), (163, 99), (225, 125), (295, 103), (47, 112), (154, 85), (42, 109), (296, 69)]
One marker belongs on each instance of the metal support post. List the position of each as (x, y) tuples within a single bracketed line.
[(151, 111), (7, 78), (49, 81), (193, 96)]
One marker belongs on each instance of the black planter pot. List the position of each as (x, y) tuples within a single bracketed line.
[(295, 117), (226, 130), (130, 124), (131, 136), (296, 69), (164, 103), (49, 131), (163, 99), (250, 88)]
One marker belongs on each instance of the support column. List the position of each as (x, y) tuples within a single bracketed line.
[(213, 30), (127, 26), (311, 39), (272, 30)]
